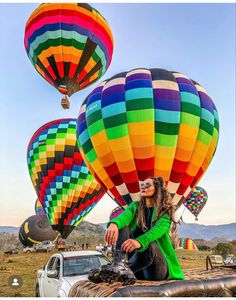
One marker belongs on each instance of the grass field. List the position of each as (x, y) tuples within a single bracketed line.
[(26, 265)]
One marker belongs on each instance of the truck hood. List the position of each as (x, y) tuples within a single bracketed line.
[(71, 280)]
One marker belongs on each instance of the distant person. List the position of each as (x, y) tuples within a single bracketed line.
[(142, 231), (82, 246), (87, 245)]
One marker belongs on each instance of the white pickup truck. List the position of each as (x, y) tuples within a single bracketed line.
[(29, 249), (45, 246), (64, 269), (106, 249), (230, 259)]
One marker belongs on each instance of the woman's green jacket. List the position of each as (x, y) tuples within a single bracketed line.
[(159, 233)]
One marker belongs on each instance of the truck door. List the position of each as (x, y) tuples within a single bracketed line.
[(50, 286)]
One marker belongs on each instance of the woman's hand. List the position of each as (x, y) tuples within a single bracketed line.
[(130, 245), (112, 234)]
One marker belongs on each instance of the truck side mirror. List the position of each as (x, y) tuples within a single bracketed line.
[(52, 274)]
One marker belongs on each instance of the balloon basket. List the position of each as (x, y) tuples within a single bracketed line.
[(65, 103), (196, 219)]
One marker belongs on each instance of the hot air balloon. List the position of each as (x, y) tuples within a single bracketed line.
[(148, 122), (187, 244), (38, 208), (35, 230), (196, 200), (65, 187), (116, 212), (70, 45)]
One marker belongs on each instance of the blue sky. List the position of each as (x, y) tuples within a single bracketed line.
[(197, 40)]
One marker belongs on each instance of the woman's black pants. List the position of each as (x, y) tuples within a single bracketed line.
[(147, 265)]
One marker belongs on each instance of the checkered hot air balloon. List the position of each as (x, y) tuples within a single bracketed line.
[(70, 45), (196, 200), (148, 122), (65, 187)]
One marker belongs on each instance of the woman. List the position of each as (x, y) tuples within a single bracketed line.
[(142, 231)]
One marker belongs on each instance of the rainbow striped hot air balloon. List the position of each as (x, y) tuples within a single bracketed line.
[(187, 244), (65, 188), (196, 200), (116, 212), (70, 45), (38, 208), (145, 123)]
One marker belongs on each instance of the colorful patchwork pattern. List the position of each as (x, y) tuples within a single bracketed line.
[(148, 123), (65, 188), (196, 200), (38, 208), (69, 44), (186, 243)]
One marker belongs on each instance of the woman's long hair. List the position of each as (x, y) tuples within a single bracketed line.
[(162, 202)]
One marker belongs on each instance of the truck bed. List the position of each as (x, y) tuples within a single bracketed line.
[(218, 282)]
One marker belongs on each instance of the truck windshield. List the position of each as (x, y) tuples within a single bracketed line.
[(81, 265)]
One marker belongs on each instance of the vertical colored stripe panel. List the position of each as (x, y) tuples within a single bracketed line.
[(167, 119)]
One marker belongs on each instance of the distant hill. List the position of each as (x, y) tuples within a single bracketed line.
[(103, 225), (9, 229), (87, 232), (208, 232), (215, 233), (83, 228), (90, 228)]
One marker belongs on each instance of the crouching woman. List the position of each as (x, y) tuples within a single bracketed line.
[(142, 231)]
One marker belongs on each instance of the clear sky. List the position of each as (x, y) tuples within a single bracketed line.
[(197, 40)]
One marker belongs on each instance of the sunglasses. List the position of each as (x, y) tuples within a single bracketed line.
[(145, 185)]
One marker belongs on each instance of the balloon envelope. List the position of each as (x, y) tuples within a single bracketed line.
[(38, 208), (35, 230), (196, 200), (65, 187), (69, 44), (145, 123), (116, 212), (187, 244)]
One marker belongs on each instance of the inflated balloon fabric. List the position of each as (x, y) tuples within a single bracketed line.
[(148, 123), (35, 230), (38, 208), (65, 187), (186, 243), (69, 44), (196, 200), (116, 212)]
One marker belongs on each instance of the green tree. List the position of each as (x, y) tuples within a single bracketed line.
[(232, 246), (222, 249), (203, 248)]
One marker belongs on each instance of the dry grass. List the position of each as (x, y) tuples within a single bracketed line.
[(26, 265), (190, 259)]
